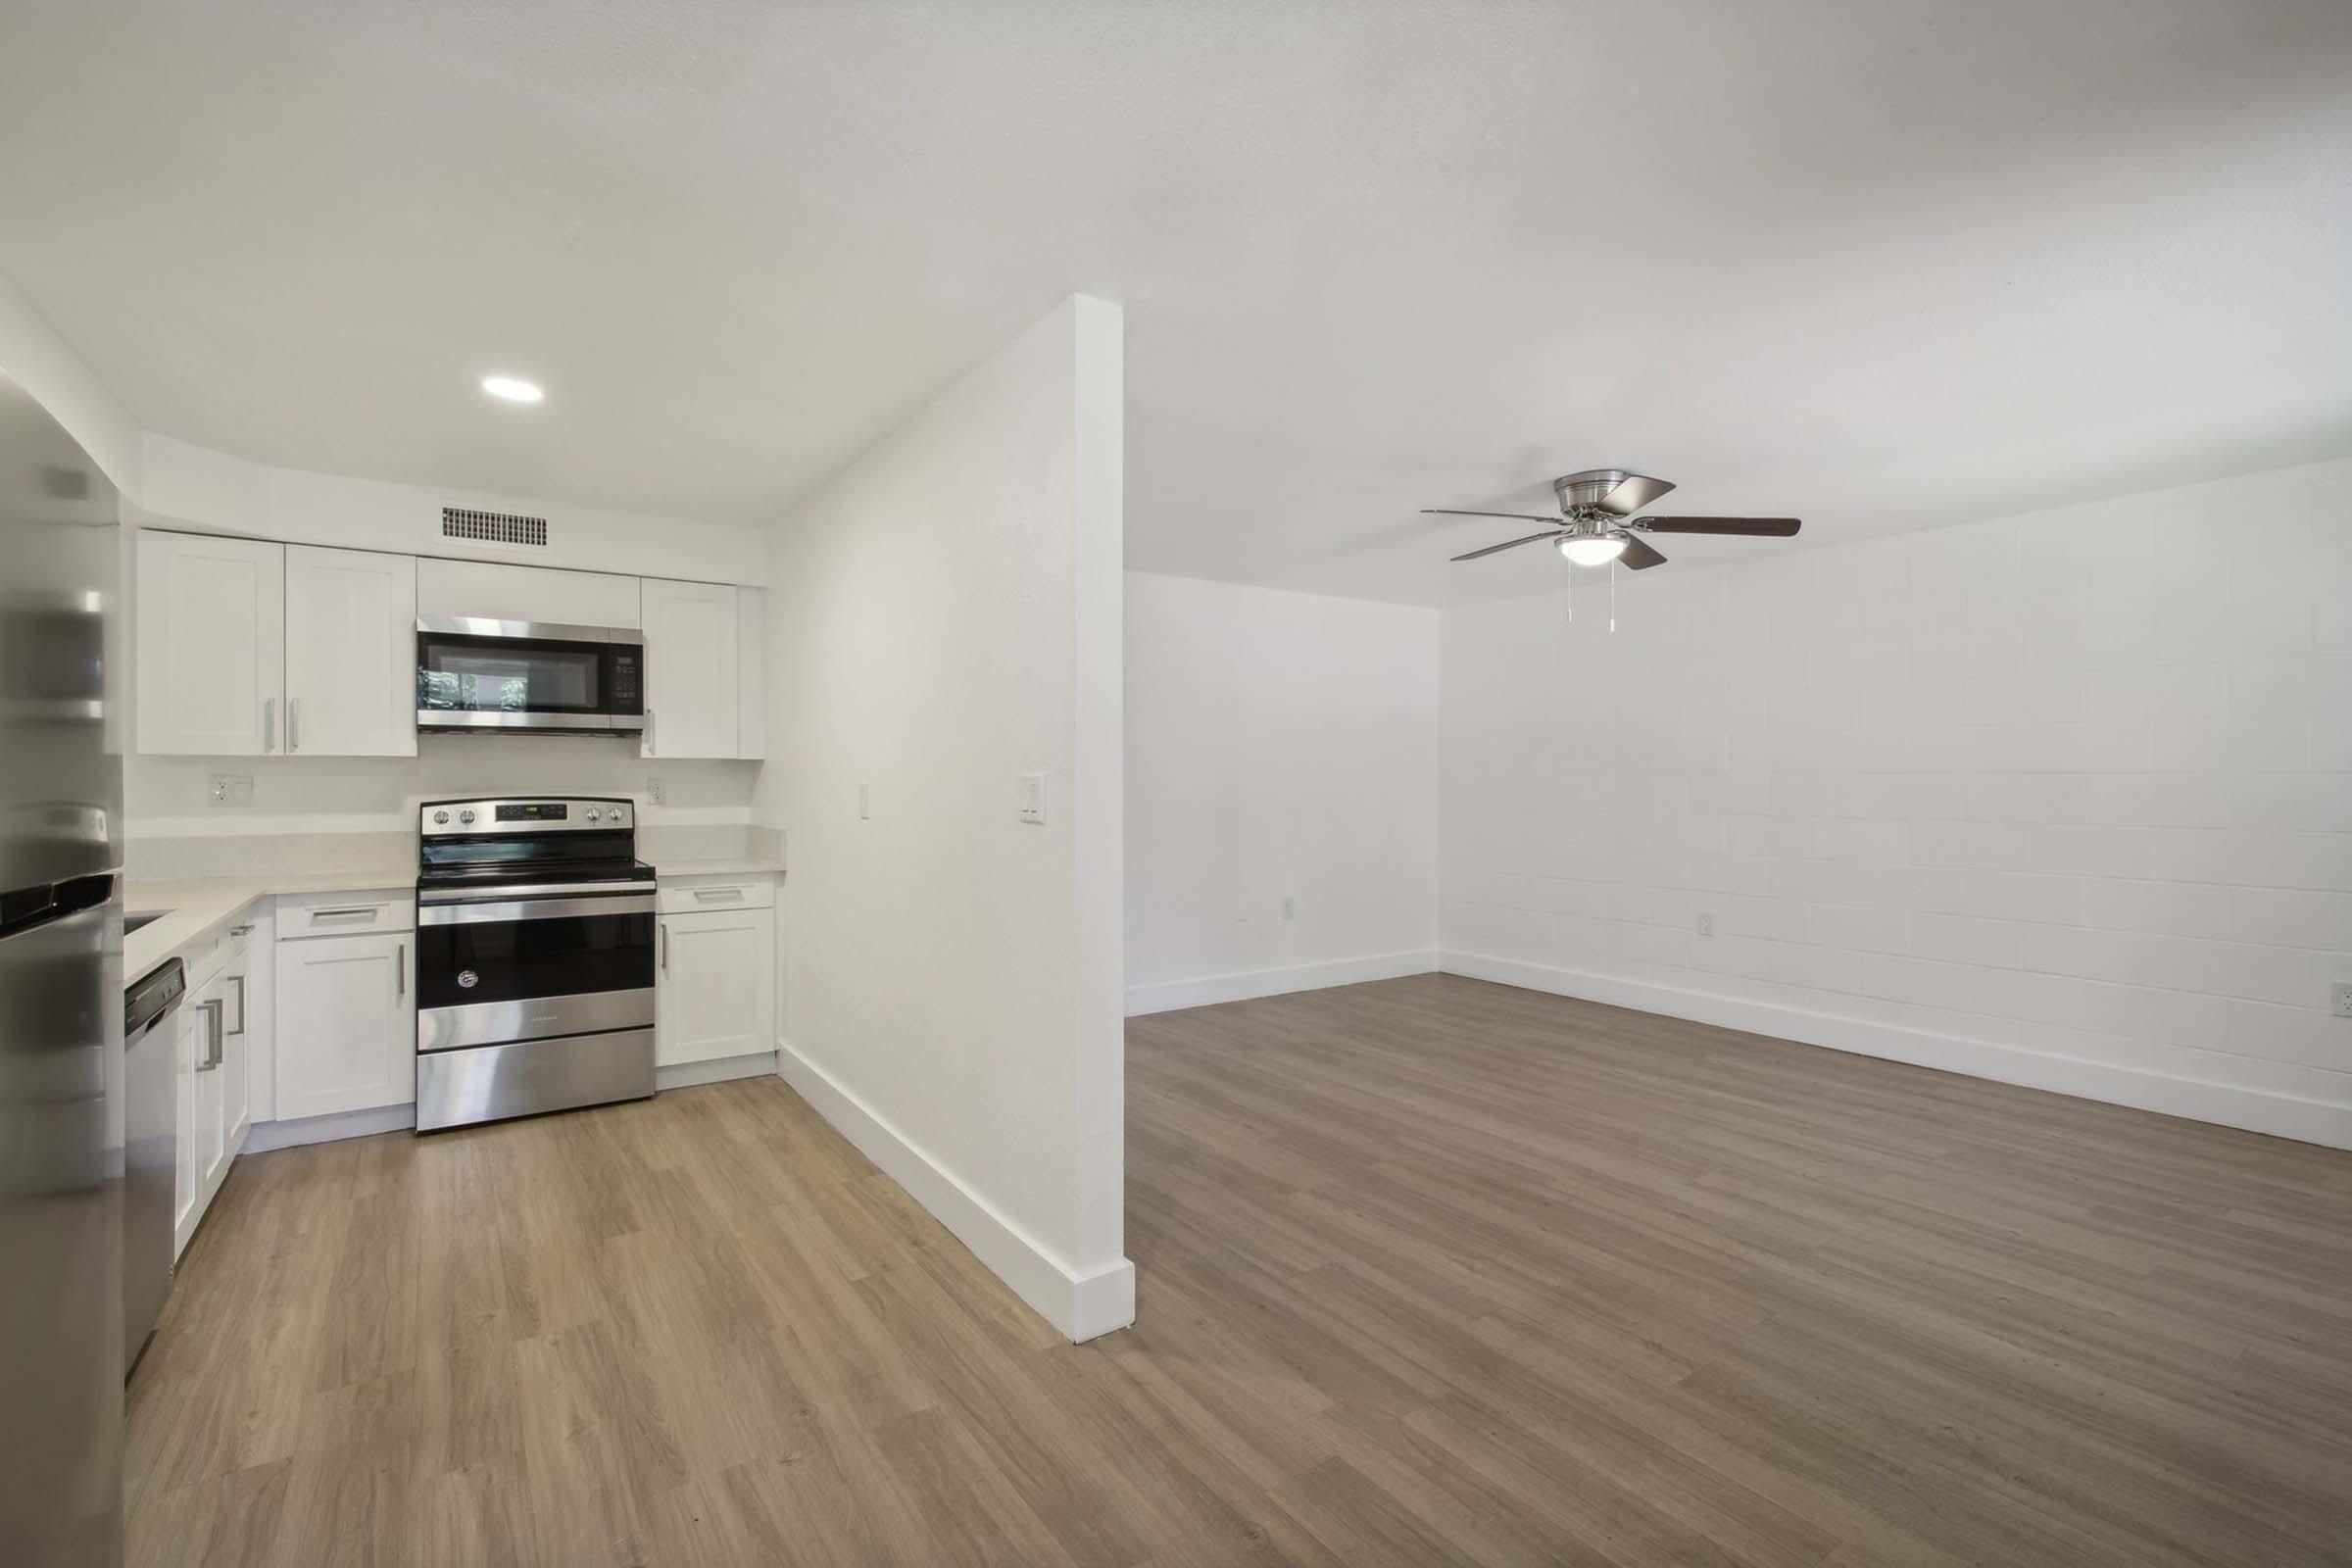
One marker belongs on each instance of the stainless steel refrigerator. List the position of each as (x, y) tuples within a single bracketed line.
[(61, 999)]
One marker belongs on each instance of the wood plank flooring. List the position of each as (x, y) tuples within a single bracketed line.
[(1431, 1271)]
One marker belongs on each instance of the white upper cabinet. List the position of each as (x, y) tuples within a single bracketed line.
[(751, 672), (691, 666), (351, 653), (211, 650), (493, 591)]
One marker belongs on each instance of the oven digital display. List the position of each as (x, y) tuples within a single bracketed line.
[(533, 811)]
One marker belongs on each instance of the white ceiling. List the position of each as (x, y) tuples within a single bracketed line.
[(1879, 265)]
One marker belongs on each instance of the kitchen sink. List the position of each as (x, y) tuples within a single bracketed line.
[(139, 917)]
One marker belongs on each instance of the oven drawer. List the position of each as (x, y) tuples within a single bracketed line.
[(694, 894), (491, 1023), (336, 914)]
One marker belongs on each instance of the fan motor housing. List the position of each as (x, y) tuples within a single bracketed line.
[(1582, 491)]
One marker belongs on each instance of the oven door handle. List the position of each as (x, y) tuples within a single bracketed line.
[(506, 909)]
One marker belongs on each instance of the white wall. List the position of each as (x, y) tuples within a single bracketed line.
[(943, 617), (1279, 745), (38, 359), (2065, 799), (195, 486)]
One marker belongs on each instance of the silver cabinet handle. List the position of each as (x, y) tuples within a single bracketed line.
[(240, 930), (400, 970), (649, 732), (293, 723), (715, 895), (238, 981), (211, 1043), (346, 911), (268, 725), (665, 947)]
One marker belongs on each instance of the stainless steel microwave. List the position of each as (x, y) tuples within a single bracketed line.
[(478, 676)]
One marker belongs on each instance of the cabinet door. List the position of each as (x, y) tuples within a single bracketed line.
[(212, 1010), (751, 672), (351, 653), (346, 1024), (235, 1071), (690, 668), (716, 987), (187, 1051), (212, 646), (496, 591)]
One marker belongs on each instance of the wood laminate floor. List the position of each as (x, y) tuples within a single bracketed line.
[(1432, 1271)]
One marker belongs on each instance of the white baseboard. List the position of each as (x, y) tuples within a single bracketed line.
[(687, 1074), (266, 1135), (1081, 1304), (1173, 994), (2310, 1121)]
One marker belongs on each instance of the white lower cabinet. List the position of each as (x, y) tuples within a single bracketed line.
[(214, 1065), (346, 1024), (716, 979)]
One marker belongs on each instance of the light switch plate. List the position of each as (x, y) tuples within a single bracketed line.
[(231, 789), (1033, 797), (2342, 992)]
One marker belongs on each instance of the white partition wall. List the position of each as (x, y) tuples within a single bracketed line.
[(943, 627)]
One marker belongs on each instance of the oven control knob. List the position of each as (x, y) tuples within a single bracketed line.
[(594, 814), (464, 816), (467, 979), (440, 816), (620, 814)]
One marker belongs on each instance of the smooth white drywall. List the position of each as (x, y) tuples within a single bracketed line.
[(38, 359), (189, 485), (1279, 745), (2063, 798), (943, 617)]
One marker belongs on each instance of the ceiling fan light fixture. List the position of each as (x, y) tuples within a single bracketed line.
[(1592, 550)]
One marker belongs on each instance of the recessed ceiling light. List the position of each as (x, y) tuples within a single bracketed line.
[(514, 388)]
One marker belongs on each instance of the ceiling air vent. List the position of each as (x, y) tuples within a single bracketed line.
[(492, 527)]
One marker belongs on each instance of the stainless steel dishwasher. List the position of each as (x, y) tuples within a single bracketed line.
[(151, 1134)]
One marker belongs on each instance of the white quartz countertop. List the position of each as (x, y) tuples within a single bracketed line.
[(200, 907), (735, 866)]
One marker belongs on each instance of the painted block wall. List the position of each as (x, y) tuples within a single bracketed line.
[(2062, 799), (1279, 746)]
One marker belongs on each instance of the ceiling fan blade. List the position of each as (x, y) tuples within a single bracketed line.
[(1639, 557), (1631, 493), (1523, 516), (1771, 527), (1509, 544)]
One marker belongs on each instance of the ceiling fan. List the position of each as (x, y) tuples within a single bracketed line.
[(1596, 523)]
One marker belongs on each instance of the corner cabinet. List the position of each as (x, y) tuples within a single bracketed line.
[(212, 646), (346, 1022), (351, 653), (716, 970)]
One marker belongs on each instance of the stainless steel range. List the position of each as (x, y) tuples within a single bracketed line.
[(534, 958)]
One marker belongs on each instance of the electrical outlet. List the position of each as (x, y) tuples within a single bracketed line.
[(232, 788), (2344, 1000), (655, 791), (1290, 907), (1706, 925)]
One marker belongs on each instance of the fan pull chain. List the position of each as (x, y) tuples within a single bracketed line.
[(1571, 596), (1612, 598)]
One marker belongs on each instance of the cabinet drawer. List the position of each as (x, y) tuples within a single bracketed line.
[(335, 915), (693, 895)]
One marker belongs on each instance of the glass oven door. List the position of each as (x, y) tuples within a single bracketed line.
[(490, 972)]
